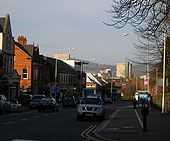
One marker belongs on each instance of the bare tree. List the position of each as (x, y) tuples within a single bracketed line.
[(145, 15), (149, 18)]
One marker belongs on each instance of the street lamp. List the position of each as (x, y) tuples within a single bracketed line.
[(164, 73), (147, 62), (56, 64)]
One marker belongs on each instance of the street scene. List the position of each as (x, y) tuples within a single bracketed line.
[(122, 122), (84, 70)]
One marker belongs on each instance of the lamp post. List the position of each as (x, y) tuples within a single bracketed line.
[(147, 67), (83, 62), (111, 86), (156, 77), (56, 64), (164, 73), (136, 82), (56, 69)]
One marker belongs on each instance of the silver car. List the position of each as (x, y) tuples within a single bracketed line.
[(4, 105), (91, 107), (15, 106)]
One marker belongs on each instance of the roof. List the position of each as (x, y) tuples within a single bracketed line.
[(1, 29), (65, 68), (2, 21), (22, 48), (5, 24), (33, 51), (93, 78)]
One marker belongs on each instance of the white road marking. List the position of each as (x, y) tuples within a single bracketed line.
[(139, 119), (6, 123), (23, 140), (24, 119), (106, 122)]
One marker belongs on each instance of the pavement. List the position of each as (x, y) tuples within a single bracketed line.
[(126, 124)]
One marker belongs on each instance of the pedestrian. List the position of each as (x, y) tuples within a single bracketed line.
[(151, 101), (134, 103), (144, 113), (142, 101)]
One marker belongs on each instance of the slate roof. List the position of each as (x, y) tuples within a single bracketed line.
[(2, 20), (33, 51), (22, 48), (65, 68)]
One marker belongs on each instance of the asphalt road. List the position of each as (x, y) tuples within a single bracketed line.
[(46, 126)]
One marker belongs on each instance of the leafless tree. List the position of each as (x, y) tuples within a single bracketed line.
[(149, 18)]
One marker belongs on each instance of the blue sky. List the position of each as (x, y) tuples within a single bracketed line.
[(78, 24)]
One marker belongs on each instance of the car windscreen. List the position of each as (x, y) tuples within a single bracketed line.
[(95, 101)]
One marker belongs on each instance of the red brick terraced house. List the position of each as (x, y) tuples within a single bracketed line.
[(27, 65)]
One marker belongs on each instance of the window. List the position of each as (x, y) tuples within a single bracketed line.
[(35, 73), (25, 73)]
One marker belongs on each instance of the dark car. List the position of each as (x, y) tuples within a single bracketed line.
[(68, 100), (48, 103), (25, 99), (35, 101)]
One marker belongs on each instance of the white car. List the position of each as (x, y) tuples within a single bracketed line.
[(91, 107), (15, 106)]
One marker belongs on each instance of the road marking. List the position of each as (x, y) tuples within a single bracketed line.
[(24, 119), (6, 123), (139, 118), (35, 117), (106, 122), (23, 140), (84, 132)]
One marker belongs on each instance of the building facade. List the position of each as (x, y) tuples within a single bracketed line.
[(27, 65), (124, 70)]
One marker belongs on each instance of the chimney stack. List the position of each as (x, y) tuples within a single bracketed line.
[(22, 40)]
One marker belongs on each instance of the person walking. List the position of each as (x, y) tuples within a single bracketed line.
[(134, 103), (144, 113)]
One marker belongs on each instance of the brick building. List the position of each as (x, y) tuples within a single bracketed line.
[(27, 65)]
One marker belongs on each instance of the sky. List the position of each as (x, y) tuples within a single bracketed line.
[(59, 25)]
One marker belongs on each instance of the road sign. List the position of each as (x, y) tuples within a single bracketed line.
[(55, 90)]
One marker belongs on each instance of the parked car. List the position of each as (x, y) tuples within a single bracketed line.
[(15, 106), (91, 107), (35, 101), (48, 103), (4, 105), (25, 99), (68, 100)]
